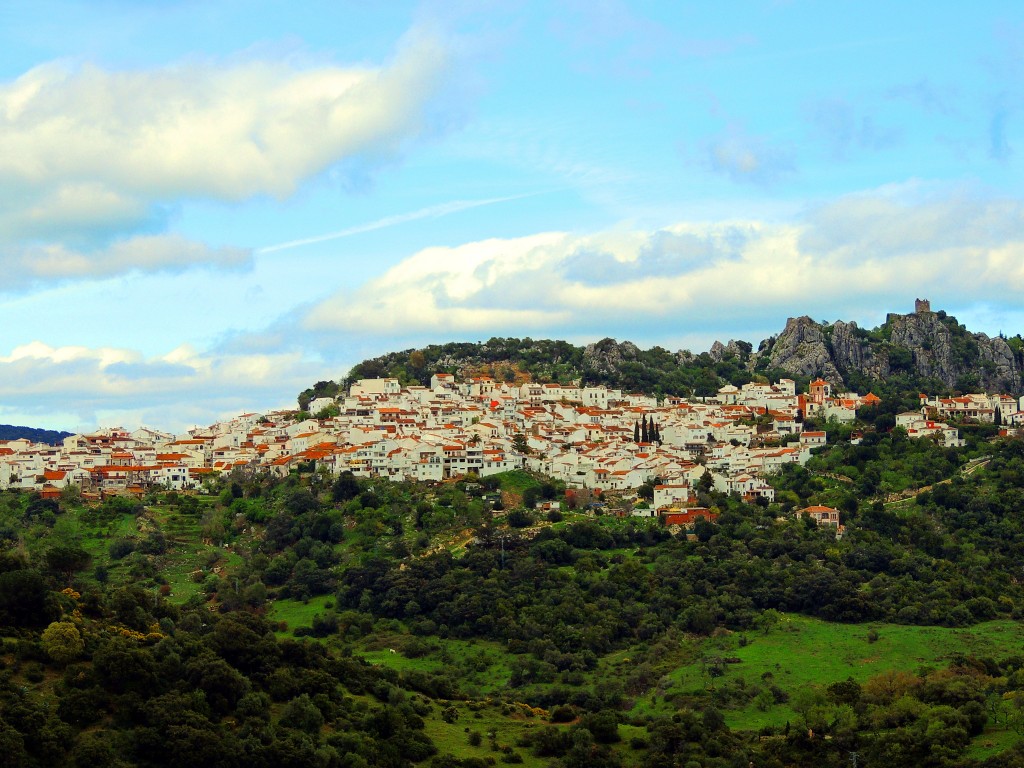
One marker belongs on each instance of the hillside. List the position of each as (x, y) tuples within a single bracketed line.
[(48, 436), (924, 350), (349, 621)]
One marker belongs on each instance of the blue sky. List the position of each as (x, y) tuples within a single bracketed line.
[(208, 206)]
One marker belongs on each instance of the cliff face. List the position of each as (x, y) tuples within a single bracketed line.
[(607, 355), (803, 350), (928, 344), (852, 352)]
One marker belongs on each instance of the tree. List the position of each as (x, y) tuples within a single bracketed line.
[(25, 600), (646, 490), (62, 642), (65, 560), (328, 412), (302, 714), (519, 443), (346, 487), (222, 685), (519, 518)]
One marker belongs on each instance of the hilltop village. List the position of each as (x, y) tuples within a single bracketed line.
[(591, 438)]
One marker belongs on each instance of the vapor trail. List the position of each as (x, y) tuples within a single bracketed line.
[(431, 212)]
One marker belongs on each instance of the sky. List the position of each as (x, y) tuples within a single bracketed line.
[(206, 207)]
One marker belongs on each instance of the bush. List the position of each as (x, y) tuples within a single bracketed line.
[(562, 714), (120, 548), (34, 673), (519, 518)]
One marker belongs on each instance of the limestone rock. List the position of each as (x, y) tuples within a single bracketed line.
[(606, 356), (720, 351), (802, 350), (924, 343)]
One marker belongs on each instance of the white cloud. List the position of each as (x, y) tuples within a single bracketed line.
[(91, 157), (47, 263), (206, 129), (172, 391), (873, 250), (426, 289)]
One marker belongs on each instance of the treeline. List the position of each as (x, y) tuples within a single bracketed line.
[(895, 718), (36, 435), (661, 372), (124, 678), (620, 366), (892, 568)]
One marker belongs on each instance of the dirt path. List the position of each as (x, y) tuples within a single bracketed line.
[(968, 469)]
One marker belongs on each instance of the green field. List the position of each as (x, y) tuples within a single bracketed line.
[(298, 613), (507, 723), (797, 653), (802, 651)]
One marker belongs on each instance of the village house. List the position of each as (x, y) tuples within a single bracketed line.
[(583, 436)]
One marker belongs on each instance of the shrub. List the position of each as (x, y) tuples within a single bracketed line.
[(519, 518), (121, 548)]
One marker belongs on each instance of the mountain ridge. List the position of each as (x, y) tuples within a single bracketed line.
[(35, 434), (924, 349)]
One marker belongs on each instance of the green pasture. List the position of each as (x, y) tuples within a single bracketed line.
[(516, 481), (481, 666), (298, 613), (507, 722), (802, 652), (992, 742)]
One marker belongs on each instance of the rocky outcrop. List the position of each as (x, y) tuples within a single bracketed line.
[(927, 344), (999, 365), (852, 352), (720, 351), (606, 356), (802, 349)]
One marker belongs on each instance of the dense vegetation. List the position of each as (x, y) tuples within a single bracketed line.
[(336, 621), (48, 436), (621, 366), (656, 370)]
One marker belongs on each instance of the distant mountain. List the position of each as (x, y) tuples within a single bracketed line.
[(48, 436), (925, 350)]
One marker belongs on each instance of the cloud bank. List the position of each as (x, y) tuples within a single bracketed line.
[(92, 159), (32, 265), (81, 385), (864, 251)]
